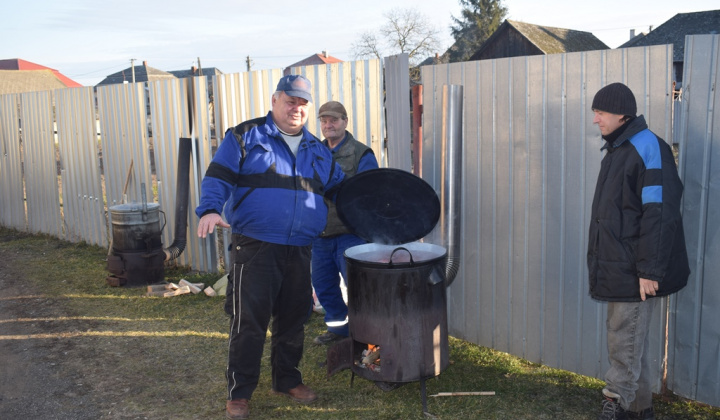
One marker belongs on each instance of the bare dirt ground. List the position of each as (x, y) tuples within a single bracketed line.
[(34, 381)]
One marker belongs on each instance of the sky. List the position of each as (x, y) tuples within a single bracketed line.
[(87, 40)]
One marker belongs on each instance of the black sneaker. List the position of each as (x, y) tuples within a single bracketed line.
[(646, 414), (611, 410), (327, 338)]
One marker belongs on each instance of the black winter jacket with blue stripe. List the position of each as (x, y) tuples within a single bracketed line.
[(636, 228)]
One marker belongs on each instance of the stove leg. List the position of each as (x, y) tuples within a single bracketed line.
[(352, 378), (423, 393)]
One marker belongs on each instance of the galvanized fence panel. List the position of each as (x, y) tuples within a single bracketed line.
[(170, 121), (12, 195), (203, 131), (123, 111), (531, 158), (397, 105), (39, 164), (358, 86), (693, 362), (171, 103), (83, 203), (239, 97)]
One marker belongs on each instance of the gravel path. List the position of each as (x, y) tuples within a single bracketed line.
[(34, 383)]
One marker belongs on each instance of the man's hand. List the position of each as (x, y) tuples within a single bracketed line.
[(208, 222), (647, 287)]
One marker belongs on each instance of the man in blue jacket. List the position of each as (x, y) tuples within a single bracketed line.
[(270, 175), (636, 249)]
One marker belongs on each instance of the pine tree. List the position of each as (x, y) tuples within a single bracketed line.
[(478, 20)]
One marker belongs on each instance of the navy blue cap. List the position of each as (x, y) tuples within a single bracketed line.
[(295, 85)]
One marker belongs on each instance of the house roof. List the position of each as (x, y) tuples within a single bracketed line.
[(676, 28), (547, 39), (13, 81), (25, 69), (634, 40), (143, 73), (323, 58), (208, 72), (558, 40)]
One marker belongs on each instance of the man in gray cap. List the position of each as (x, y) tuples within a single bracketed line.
[(636, 246), (270, 175), (328, 260)]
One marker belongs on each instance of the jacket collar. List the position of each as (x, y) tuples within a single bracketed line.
[(637, 125)]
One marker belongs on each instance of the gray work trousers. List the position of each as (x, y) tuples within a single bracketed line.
[(628, 326)]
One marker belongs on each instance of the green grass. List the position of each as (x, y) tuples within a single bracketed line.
[(164, 358)]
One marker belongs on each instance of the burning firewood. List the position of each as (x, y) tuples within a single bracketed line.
[(371, 355)]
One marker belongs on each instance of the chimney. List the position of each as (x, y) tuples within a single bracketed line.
[(325, 54), (144, 63), (193, 70), (632, 33)]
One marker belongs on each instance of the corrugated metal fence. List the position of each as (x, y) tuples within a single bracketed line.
[(531, 159), (694, 353), (12, 195), (121, 145)]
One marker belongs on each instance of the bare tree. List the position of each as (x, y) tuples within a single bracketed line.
[(406, 31), (367, 46)]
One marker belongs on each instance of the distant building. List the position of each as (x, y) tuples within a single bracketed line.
[(515, 39), (194, 71), (141, 73), (674, 31), (323, 58), (20, 76), (633, 39)]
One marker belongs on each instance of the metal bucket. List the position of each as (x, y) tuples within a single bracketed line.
[(136, 227)]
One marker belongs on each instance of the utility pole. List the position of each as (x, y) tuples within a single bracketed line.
[(132, 66), (248, 62)]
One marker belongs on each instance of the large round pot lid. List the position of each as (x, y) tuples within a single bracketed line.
[(388, 206)]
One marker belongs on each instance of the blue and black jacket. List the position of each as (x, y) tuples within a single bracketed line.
[(636, 228), (267, 192)]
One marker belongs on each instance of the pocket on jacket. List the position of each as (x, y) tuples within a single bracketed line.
[(609, 245)]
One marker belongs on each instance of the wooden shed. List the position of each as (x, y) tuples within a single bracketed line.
[(515, 39)]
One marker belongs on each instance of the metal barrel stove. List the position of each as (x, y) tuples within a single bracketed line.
[(397, 286), (137, 257)]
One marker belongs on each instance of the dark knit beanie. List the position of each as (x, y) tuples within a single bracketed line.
[(615, 98)]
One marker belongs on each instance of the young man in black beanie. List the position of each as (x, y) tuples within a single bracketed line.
[(636, 246)]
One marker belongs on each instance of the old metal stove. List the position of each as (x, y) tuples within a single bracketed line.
[(397, 307), (397, 287)]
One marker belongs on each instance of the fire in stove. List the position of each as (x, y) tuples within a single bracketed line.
[(370, 358)]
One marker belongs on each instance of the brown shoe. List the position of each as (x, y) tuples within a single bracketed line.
[(237, 409), (301, 393)]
